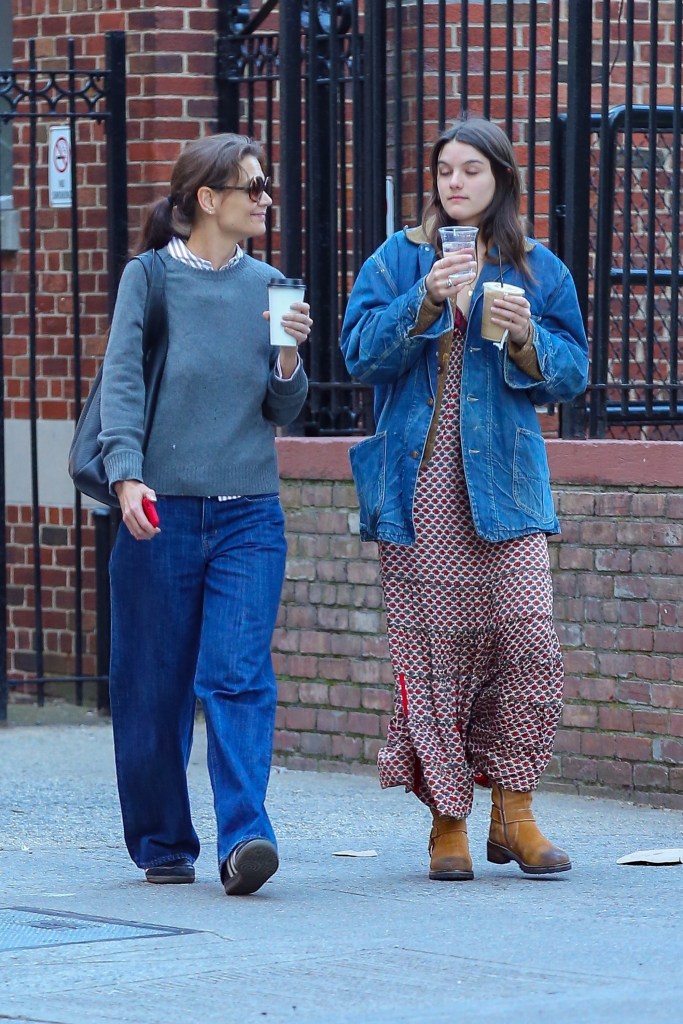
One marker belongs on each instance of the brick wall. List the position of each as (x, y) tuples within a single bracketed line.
[(170, 99), (618, 578)]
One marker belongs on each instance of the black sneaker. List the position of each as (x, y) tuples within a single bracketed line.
[(174, 872), (249, 865)]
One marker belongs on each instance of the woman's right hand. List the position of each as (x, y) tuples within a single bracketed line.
[(440, 285), (130, 494)]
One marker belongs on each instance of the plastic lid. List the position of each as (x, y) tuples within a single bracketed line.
[(287, 282)]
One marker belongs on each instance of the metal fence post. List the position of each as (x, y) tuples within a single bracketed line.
[(104, 521), (290, 135), (117, 161), (577, 223)]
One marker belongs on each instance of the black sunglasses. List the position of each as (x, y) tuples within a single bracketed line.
[(255, 189)]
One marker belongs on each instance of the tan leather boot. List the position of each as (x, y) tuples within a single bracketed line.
[(514, 835), (450, 859)]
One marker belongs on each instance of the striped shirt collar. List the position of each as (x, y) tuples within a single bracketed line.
[(179, 251)]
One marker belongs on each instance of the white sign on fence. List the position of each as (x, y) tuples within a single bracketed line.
[(59, 165)]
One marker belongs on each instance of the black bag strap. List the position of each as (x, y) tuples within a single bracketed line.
[(154, 333)]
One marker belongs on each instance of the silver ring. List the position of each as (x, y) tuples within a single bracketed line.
[(449, 281)]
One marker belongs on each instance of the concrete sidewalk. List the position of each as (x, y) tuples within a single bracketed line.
[(329, 940)]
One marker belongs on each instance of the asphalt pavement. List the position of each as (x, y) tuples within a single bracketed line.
[(329, 939)]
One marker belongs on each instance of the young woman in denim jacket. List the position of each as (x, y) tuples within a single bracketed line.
[(454, 486)]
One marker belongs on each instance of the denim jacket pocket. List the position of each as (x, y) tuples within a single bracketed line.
[(531, 477), (368, 464)]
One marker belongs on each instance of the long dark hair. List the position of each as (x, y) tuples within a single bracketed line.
[(501, 223), (213, 161)]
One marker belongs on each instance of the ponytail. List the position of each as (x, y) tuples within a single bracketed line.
[(159, 227)]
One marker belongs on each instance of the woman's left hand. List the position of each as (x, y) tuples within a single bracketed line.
[(514, 313)]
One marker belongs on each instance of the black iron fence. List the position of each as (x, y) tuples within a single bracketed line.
[(44, 573), (348, 96)]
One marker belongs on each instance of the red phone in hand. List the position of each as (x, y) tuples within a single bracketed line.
[(149, 508)]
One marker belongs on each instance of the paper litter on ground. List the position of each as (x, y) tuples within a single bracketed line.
[(355, 853), (673, 856)]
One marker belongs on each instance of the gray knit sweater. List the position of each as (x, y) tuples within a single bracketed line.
[(213, 429)]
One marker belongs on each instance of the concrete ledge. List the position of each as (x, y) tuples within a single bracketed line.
[(610, 463)]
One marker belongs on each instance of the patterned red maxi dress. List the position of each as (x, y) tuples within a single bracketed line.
[(476, 660)]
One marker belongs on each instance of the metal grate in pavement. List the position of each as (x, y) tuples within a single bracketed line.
[(29, 928)]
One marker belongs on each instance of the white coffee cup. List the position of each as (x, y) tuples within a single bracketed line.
[(495, 290), (282, 292)]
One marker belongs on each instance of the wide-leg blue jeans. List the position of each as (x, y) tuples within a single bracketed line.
[(193, 614)]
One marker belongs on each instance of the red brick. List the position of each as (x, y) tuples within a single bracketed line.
[(646, 505), (576, 558), (567, 741), (335, 668), (600, 637), (314, 642), (596, 689), (651, 721), (634, 693), (287, 692), (634, 748), (315, 743), (650, 776), (613, 560), (620, 665), (672, 750), (636, 587), (581, 716), (299, 718), (286, 740), (615, 773), (668, 642), (613, 504), (598, 744), (344, 696), (618, 719), (365, 724), (313, 693), (378, 700), (581, 769), (332, 721), (371, 749), (577, 503), (635, 639), (348, 747), (301, 666), (667, 695), (652, 667), (580, 662)]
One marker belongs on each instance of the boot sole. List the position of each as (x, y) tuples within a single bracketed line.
[(499, 855), (451, 876)]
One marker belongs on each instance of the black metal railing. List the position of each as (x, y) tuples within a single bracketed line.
[(366, 91), (31, 97)]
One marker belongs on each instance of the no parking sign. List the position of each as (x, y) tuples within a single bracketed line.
[(59, 165)]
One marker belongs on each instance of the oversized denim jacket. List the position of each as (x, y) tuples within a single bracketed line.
[(505, 463)]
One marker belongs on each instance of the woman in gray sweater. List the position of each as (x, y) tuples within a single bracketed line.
[(194, 606)]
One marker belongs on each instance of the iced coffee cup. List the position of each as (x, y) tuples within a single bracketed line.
[(495, 290), (282, 292)]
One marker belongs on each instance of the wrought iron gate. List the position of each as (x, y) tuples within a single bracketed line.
[(52, 293), (347, 97)]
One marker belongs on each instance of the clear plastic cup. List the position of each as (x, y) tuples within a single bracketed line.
[(282, 292), (455, 237)]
